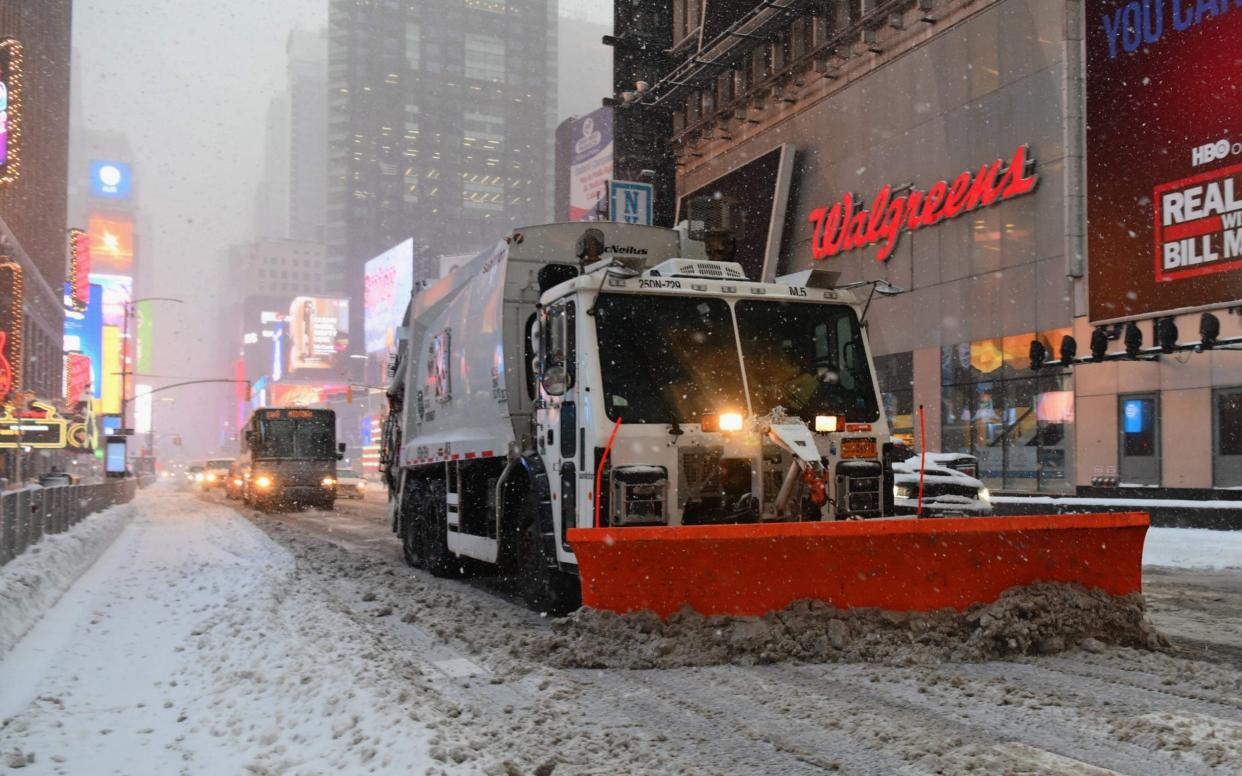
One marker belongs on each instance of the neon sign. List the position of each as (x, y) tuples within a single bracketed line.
[(10, 110), (847, 225)]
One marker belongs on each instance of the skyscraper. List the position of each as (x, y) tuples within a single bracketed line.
[(441, 117)]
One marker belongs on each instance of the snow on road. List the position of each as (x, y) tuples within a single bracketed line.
[(1193, 548), (192, 646)]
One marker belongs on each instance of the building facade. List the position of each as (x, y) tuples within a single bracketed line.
[(942, 146), (33, 228), (441, 116)]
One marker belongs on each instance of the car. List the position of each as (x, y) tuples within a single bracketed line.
[(948, 489), (194, 475), (235, 480), (350, 484), (216, 472)]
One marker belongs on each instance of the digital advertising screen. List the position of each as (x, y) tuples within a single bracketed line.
[(388, 280), (112, 243), (1164, 157), (111, 180), (299, 395), (111, 367), (117, 291), (590, 163), (114, 456), (10, 109), (84, 334), (318, 333), (79, 268)]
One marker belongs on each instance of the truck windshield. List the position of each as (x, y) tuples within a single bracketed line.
[(807, 358), (667, 359), (310, 438)]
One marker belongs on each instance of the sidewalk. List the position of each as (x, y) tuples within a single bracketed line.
[(191, 647)]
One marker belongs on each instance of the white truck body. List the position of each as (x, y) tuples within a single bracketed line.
[(477, 415)]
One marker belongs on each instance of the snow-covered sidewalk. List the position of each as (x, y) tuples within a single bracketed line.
[(1193, 548), (192, 646)]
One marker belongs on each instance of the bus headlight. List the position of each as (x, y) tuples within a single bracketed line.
[(211, 478), (730, 421), (263, 482), (328, 482), (237, 481)]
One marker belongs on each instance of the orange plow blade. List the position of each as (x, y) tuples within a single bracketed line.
[(899, 564)]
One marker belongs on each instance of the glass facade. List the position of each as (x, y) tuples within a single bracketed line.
[(1018, 422), (895, 374)]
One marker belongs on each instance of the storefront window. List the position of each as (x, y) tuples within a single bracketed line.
[(1017, 422), (895, 373)]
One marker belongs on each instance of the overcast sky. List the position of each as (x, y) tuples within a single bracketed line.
[(189, 83)]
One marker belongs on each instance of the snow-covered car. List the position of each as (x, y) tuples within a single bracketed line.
[(350, 484), (947, 489)]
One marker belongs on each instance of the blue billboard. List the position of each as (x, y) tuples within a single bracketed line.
[(84, 334), (111, 180)]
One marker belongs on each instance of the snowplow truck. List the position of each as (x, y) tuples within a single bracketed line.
[(612, 419)]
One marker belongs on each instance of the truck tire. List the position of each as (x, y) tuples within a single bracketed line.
[(411, 527), (545, 588), (434, 539)]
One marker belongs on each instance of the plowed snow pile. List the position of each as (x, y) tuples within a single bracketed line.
[(1040, 619)]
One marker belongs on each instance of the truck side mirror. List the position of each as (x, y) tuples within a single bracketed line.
[(556, 380)]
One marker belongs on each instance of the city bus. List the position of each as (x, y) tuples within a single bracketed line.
[(292, 453)]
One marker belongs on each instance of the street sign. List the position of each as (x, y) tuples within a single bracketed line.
[(630, 202)]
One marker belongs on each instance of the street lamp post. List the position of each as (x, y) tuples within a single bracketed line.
[(125, 366)]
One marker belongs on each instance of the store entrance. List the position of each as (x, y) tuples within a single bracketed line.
[(1139, 447), (1227, 427)]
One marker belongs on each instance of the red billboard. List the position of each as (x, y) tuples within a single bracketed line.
[(79, 268), (1164, 156)]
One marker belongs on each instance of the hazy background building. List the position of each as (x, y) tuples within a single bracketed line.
[(441, 117)]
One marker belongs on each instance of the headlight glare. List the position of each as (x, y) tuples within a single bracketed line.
[(730, 421), (263, 481)]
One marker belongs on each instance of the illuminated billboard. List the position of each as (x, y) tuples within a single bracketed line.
[(590, 164), (112, 243), (111, 180), (117, 291), (11, 320), (1164, 158), (110, 368), (388, 280), (79, 269), (144, 326), (84, 334), (77, 372), (294, 395), (10, 110), (317, 333)]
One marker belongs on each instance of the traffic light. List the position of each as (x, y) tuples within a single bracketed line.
[(1099, 344), (1037, 354), (1133, 338), (248, 391), (349, 394)]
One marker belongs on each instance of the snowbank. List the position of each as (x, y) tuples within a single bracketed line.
[(33, 582), (1193, 548)]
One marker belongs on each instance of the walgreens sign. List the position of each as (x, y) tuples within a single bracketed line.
[(848, 225)]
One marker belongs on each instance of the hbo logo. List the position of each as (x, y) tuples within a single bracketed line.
[(1210, 152)]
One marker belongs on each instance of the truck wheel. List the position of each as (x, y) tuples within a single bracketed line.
[(545, 589), (434, 539), (412, 525)]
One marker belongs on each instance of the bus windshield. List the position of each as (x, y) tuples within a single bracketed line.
[(312, 438)]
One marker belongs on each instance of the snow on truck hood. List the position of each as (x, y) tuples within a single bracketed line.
[(933, 472)]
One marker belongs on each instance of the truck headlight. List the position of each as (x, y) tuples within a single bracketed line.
[(211, 478), (328, 482), (263, 482), (826, 424), (985, 495), (730, 421)]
